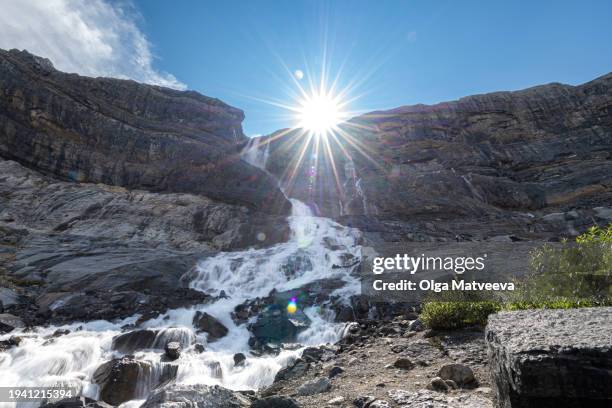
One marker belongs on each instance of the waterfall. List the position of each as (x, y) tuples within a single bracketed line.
[(254, 154), (242, 276)]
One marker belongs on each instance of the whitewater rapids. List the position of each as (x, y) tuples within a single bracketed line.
[(72, 359)]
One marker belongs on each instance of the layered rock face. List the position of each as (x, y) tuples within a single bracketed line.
[(551, 358), (111, 191), (123, 133), (534, 163)]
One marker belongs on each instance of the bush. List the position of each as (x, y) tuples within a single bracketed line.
[(577, 274), (442, 315)]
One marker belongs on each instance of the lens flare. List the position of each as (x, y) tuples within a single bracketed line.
[(292, 306)]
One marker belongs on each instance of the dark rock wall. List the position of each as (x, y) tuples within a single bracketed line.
[(123, 133), (505, 158)]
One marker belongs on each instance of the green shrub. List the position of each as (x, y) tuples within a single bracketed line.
[(442, 315), (574, 273)]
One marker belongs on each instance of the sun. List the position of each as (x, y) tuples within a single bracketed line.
[(320, 112)]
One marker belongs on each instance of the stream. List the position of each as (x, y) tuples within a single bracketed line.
[(71, 359)]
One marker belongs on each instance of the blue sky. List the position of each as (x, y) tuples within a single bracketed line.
[(401, 52)]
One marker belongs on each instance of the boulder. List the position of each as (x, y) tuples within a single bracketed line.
[(416, 326), (363, 401), (404, 363), (208, 324), (551, 358), (119, 379), (195, 396), (173, 350), (314, 387), (294, 370), (334, 371), (275, 325), (239, 359), (135, 340), (438, 384), (275, 401), (8, 323), (459, 373)]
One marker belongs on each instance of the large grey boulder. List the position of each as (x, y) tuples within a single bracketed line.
[(119, 378), (551, 358), (126, 378), (195, 396)]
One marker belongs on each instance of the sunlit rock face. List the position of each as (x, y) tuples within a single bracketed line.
[(123, 133), (485, 165)]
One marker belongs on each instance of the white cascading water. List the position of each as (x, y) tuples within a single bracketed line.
[(73, 358)]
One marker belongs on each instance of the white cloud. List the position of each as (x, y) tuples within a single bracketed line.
[(90, 37)]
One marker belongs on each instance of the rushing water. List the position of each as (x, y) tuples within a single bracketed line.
[(73, 358)]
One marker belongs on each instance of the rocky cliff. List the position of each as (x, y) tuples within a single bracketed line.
[(123, 133), (533, 163), (111, 190)]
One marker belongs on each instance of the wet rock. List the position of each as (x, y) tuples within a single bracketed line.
[(216, 371), (198, 347), (556, 358), (173, 350), (334, 371), (239, 359), (60, 332), (208, 324), (12, 341), (135, 340), (77, 402), (404, 364), (118, 379), (275, 325), (314, 387), (296, 265), (459, 373), (275, 401), (294, 370), (9, 322), (196, 396)]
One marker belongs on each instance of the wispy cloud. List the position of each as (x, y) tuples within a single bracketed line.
[(90, 37)]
